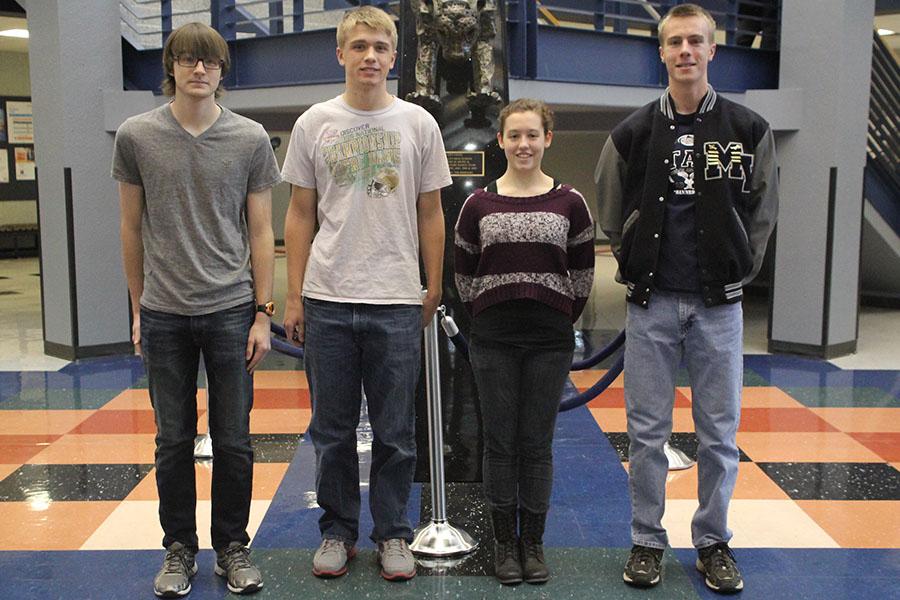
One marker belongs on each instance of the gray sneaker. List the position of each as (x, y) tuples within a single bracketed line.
[(233, 563), (331, 558), (397, 562), (174, 579)]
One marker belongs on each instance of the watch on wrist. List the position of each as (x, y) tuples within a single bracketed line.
[(268, 308)]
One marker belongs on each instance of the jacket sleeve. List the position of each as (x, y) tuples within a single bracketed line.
[(763, 205), (610, 178), (580, 254), (466, 253)]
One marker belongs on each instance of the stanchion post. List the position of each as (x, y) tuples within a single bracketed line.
[(203, 443), (438, 538)]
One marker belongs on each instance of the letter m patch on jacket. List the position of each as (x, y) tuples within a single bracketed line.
[(730, 160)]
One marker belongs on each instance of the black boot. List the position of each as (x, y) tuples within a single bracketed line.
[(506, 547), (532, 527)]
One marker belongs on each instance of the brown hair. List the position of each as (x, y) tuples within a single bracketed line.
[(371, 17), (197, 40), (525, 105), (687, 10)]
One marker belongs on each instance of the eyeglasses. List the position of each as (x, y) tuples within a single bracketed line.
[(189, 61)]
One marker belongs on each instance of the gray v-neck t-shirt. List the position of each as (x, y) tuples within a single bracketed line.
[(194, 227)]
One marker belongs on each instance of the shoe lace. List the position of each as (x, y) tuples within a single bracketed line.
[(535, 551), (644, 556), (331, 546), (238, 557), (508, 550), (394, 548), (722, 559), (176, 561)]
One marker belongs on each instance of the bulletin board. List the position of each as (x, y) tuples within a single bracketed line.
[(17, 167)]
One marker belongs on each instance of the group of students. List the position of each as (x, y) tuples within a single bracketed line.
[(687, 196)]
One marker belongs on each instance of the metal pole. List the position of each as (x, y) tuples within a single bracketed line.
[(438, 538), (203, 442)]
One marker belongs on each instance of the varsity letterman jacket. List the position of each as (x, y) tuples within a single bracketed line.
[(736, 199)]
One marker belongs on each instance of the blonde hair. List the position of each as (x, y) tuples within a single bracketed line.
[(687, 10), (371, 17), (198, 40), (525, 105)]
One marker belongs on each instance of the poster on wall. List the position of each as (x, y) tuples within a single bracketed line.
[(25, 164), (2, 125), (4, 166), (19, 123)]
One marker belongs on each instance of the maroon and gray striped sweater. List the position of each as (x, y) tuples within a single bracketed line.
[(540, 248)]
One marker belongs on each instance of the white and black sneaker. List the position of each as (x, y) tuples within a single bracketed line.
[(644, 566), (718, 564)]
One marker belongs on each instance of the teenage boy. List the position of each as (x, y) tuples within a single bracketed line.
[(688, 198), (367, 169), (195, 185)]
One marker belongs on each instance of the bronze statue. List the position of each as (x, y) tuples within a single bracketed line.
[(460, 32)]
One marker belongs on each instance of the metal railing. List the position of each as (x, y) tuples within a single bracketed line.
[(748, 23), (146, 23), (884, 114)]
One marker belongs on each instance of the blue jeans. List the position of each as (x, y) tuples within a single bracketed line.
[(710, 340), (519, 390), (349, 347), (171, 346)]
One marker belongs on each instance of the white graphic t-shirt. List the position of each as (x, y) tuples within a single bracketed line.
[(368, 168)]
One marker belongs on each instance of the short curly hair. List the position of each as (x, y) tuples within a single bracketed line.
[(525, 105), (198, 40)]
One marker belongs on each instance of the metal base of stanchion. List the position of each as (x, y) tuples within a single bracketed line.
[(441, 539), (678, 460), (203, 447)]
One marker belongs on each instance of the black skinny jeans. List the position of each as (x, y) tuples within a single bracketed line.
[(519, 390)]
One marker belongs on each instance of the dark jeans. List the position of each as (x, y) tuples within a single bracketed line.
[(171, 346), (519, 390), (350, 347)]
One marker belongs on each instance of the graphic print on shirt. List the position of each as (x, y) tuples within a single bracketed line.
[(681, 172), (364, 156)]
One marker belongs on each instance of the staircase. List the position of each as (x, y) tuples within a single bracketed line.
[(880, 254)]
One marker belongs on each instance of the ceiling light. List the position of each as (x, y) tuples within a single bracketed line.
[(15, 33), (886, 32)]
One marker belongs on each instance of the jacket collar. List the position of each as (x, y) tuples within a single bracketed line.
[(709, 100)]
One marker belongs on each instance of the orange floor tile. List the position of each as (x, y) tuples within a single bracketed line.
[(21, 448), (751, 483), (613, 419), (767, 397), (782, 419), (280, 379), (118, 421), (31, 422), (52, 526), (857, 523), (885, 420), (90, 448), (266, 478), (615, 398), (6, 469), (281, 398), (139, 399), (294, 420), (804, 447), (885, 445), (587, 378)]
